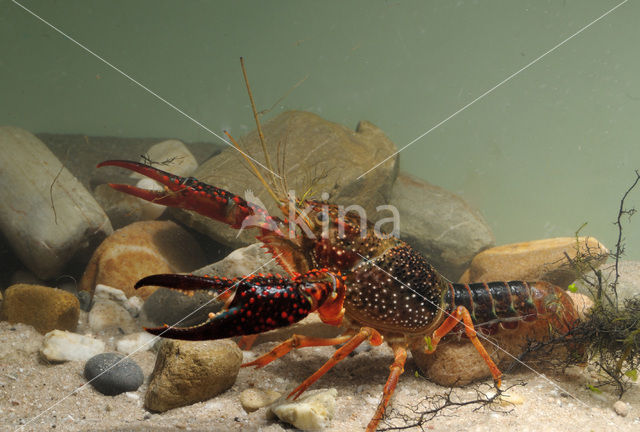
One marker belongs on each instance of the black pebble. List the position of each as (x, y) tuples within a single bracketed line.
[(123, 377)]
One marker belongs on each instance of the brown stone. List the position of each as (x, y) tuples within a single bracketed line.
[(188, 372), (43, 307), (457, 362), (138, 250), (537, 260)]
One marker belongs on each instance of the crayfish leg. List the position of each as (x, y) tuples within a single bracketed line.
[(365, 333), (295, 341), (461, 313), (397, 368)]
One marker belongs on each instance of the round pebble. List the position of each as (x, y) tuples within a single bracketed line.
[(112, 373), (621, 408)]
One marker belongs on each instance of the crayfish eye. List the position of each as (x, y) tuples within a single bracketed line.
[(321, 217)]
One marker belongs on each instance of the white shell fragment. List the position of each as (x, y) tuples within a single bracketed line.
[(311, 412)]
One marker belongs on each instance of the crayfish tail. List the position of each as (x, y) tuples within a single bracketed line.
[(509, 303)]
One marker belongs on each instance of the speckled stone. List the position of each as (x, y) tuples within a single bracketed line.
[(43, 307), (112, 373)]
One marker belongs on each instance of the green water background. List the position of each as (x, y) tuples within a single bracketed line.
[(553, 147)]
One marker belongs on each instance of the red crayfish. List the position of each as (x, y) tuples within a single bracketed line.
[(377, 287)]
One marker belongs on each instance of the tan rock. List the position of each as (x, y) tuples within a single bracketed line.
[(188, 372), (42, 307), (314, 147), (254, 398), (457, 362), (537, 260), (139, 250)]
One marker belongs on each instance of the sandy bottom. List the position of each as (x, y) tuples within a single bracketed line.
[(36, 396)]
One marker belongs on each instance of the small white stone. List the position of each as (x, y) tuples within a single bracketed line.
[(311, 412), (129, 344), (132, 395), (59, 345), (621, 408), (106, 314), (106, 292)]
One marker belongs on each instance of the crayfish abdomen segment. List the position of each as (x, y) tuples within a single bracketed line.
[(508, 303)]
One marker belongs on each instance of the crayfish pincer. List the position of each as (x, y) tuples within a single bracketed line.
[(378, 288)]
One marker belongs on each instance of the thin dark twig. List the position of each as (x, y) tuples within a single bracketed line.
[(434, 406), (147, 160), (619, 244)]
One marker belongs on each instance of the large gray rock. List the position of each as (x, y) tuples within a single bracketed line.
[(32, 179), (440, 225), (315, 147)]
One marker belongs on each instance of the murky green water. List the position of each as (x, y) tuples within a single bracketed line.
[(552, 142)]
